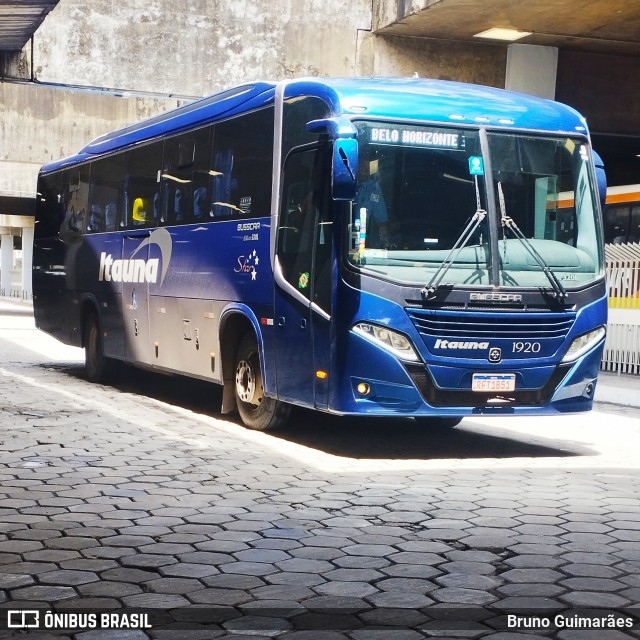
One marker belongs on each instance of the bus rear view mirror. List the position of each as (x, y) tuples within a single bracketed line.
[(345, 169), (601, 177)]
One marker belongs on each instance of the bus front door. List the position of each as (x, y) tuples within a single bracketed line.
[(303, 280), (135, 297)]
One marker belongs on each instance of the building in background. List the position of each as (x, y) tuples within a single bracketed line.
[(71, 70)]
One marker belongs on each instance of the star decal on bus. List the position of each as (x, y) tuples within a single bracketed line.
[(248, 264)]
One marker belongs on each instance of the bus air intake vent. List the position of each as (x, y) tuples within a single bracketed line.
[(481, 325)]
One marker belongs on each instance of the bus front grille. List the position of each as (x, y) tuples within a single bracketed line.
[(485, 325)]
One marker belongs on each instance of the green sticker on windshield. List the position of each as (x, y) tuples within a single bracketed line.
[(476, 166)]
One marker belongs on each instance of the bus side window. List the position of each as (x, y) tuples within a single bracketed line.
[(634, 224), (241, 165), (50, 211), (104, 194), (295, 229), (177, 177), (617, 224), (141, 185), (111, 216), (74, 200), (305, 230), (297, 112), (185, 177), (201, 209), (96, 219)]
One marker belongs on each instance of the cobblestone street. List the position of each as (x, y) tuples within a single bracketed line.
[(139, 495)]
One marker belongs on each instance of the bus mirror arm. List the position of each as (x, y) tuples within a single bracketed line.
[(336, 128), (344, 169)]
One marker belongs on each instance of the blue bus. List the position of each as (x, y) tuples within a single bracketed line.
[(388, 247)]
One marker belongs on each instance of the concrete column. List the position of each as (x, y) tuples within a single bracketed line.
[(27, 261), (6, 263), (532, 69)]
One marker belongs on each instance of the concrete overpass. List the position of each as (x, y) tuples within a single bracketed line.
[(19, 20)]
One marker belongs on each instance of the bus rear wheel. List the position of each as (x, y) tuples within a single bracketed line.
[(438, 422), (97, 366), (256, 410)]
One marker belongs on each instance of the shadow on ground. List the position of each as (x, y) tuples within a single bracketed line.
[(359, 437)]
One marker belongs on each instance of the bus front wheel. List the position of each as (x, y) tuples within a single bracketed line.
[(256, 410), (97, 366)]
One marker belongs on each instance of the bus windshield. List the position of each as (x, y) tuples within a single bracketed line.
[(427, 196)]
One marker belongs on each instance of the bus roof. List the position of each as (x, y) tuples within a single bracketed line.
[(405, 98), (448, 101)]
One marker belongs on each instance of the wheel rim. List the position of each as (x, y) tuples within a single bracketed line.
[(245, 382)]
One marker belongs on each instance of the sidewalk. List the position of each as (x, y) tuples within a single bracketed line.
[(622, 389), (12, 300)]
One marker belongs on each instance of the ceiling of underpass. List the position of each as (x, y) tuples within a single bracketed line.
[(599, 55), (19, 20), (602, 26)]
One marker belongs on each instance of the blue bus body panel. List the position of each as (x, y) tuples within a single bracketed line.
[(210, 261), (440, 100), (454, 102)]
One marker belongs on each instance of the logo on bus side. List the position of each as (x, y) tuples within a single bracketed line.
[(248, 264), (138, 269)]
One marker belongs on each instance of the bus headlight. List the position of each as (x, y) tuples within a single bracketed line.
[(391, 340), (583, 343)]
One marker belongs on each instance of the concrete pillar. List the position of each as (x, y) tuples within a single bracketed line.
[(27, 261), (532, 69), (6, 263)]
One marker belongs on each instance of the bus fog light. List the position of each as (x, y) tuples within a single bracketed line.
[(391, 340), (583, 343), (363, 389)]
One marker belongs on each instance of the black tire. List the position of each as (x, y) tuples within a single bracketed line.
[(97, 367), (438, 422), (256, 410)]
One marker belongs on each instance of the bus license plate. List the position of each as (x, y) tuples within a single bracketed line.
[(493, 382)]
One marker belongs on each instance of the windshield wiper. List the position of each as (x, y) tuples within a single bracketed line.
[(509, 223), (430, 289)]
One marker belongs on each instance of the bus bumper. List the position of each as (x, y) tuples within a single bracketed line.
[(416, 389)]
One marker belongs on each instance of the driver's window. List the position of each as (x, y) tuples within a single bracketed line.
[(305, 231)]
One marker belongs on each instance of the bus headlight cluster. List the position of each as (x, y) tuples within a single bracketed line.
[(391, 340), (583, 343)]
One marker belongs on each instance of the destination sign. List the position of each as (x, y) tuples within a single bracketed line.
[(417, 137)]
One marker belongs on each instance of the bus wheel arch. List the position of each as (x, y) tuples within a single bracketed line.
[(233, 326), (243, 377)]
